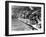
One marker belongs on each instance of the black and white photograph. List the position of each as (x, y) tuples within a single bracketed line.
[(25, 18)]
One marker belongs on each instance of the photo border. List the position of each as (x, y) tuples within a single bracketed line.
[(7, 17)]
